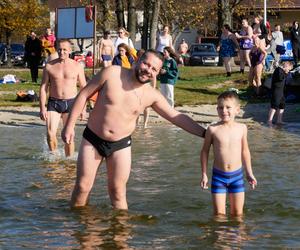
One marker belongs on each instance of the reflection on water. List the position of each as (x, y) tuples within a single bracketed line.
[(167, 209), (109, 230)]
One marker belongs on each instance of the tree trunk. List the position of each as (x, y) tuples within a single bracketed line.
[(8, 34), (132, 19), (120, 13), (224, 14), (104, 4), (146, 21), (154, 23)]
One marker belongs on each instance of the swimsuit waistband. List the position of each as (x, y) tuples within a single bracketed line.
[(218, 171), (57, 99)]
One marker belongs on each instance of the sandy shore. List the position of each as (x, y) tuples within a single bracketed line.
[(251, 113)]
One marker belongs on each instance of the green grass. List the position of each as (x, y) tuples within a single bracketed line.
[(196, 85)]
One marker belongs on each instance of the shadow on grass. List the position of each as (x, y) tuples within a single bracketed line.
[(199, 90)]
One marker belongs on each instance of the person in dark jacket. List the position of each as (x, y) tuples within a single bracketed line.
[(295, 40), (33, 50), (277, 92)]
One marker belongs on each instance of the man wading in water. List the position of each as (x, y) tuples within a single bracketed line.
[(123, 95)]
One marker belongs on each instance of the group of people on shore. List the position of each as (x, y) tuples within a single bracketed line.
[(258, 46), (124, 89)]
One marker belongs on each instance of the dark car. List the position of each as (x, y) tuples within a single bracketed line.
[(17, 53), (203, 54)]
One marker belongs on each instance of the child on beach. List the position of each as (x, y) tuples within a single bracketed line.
[(231, 155), (277, 92)]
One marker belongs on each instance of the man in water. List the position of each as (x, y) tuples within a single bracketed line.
[(123, 95), (60, 77)]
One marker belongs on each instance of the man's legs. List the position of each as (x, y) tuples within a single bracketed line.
[(279, 116), (87, 164), (118, 171), (53, 119), (35, 69), (271, 116), (69, 148)]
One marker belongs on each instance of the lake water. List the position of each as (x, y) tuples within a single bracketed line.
[(167, 208)]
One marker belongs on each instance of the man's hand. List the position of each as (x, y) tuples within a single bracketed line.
[(43, 114), (204, 182), (67, 135)]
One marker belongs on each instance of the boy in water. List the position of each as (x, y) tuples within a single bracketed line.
[(231, 154)]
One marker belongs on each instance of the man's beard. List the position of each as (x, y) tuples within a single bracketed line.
[(138, 72)]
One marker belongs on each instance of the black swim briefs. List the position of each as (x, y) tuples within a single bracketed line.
[(60, 105), (105, 148)]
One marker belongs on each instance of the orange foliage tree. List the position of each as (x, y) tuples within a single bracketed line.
[(18, 18)]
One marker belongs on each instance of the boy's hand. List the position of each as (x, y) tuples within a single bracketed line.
[(252, 181), (204, 182)]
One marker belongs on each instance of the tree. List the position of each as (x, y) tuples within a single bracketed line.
[(154, 22), (19, 17), (120, 13), (105, 15), (131, 23), (146, 22)]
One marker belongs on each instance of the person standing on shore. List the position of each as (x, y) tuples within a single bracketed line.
[(106, 50), (60, 77), (295, 40), (33, 52), (124, 94), (228, 47)]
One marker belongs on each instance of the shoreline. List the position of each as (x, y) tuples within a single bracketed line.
[(250, 114)]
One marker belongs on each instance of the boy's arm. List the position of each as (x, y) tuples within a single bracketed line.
[(246, 159), (204, 158)]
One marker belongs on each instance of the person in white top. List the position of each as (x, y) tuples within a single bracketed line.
[(123, 37), (164, 40), (277, 40)]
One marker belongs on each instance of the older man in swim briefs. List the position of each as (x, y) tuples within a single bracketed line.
[(123, 96), (60, 77)]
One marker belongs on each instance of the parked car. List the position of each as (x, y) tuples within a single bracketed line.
[(17, 53), (203, 54)]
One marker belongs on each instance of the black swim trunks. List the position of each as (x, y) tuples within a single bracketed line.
[(105, 148), (60, 105)]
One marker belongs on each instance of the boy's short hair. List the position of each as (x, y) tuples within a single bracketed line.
[(286, 63), (229, 95)]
